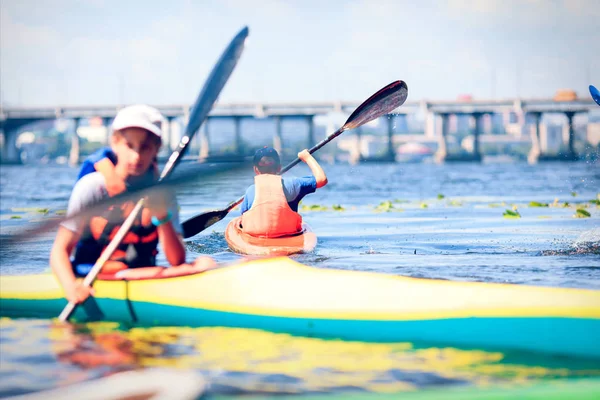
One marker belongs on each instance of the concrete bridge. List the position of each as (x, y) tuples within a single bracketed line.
[(437, 113)]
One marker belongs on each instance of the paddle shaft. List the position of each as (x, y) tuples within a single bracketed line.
[(315, 148), (207, 97), (105, 256), (380, 103)]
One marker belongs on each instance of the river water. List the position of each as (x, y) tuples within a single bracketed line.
[(418, 220)]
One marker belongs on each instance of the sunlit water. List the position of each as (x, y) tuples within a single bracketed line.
[(415, 232)]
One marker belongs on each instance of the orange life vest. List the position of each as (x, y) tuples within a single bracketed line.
[(270, 214), (139, 246)]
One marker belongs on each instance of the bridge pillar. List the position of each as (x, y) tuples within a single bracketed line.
[(106, 123), (205, 140), (442, 139), (520, 116), (356, 153), (238, 135), (169, 135), (74, 152), (311, 131), (11, 129), (277, 139), (535, 151), (478, 129), (571, 136), (430, 125), (391, 153), (10, 153)]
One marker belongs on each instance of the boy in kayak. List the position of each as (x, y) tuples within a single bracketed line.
[(270, 206), (135, 142)]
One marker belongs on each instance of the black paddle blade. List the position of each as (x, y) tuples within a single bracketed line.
[(200, 222), (384, 101)]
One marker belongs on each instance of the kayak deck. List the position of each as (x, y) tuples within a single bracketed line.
[(281, 295)]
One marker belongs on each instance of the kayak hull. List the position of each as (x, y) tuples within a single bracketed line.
[(243, 243), (280, 295)]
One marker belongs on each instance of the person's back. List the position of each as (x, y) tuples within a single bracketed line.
[(270, 206)]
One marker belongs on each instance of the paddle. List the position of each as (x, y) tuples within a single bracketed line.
[(595, 94), (183, 176), (207, 97), (384, 101)]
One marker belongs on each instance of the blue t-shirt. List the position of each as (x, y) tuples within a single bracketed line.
[(293, 188)]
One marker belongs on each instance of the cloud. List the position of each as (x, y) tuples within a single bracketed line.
[(495, 7), (271, 8), (164, 54), (36, 57), (14, 34), (583, 8), (525, 14)]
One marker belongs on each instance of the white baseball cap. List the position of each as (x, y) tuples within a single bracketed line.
[(139, 116)]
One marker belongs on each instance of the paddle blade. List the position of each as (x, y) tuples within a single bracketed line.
[(595, 94), (208, 96), (384, 101), (200, 222)]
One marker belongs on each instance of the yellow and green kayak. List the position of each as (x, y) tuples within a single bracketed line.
[(281, 295)]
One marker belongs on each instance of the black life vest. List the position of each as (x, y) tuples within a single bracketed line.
[(138, 248)]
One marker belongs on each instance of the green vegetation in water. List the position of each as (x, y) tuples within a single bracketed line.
[(31, 210), (537, 204), (60, 212), (581, 213), (511, 214), (401, 201), (16, 217), (595, 201), (385, 206), (545, 217), (574, 194), (424, 205), (455, 203), (566, 204), (314, 207), (337, 207), (440, 196)]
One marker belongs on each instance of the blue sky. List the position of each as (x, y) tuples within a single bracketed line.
[(55, 52)]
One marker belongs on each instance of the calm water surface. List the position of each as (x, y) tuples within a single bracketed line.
[(415, 232)]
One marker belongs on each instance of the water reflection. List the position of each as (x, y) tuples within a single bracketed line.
[(242, 361)]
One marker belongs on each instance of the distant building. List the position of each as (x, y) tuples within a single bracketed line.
[(565, 95)]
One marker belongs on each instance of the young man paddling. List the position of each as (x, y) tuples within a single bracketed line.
[(135, 142), (270, 206)]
